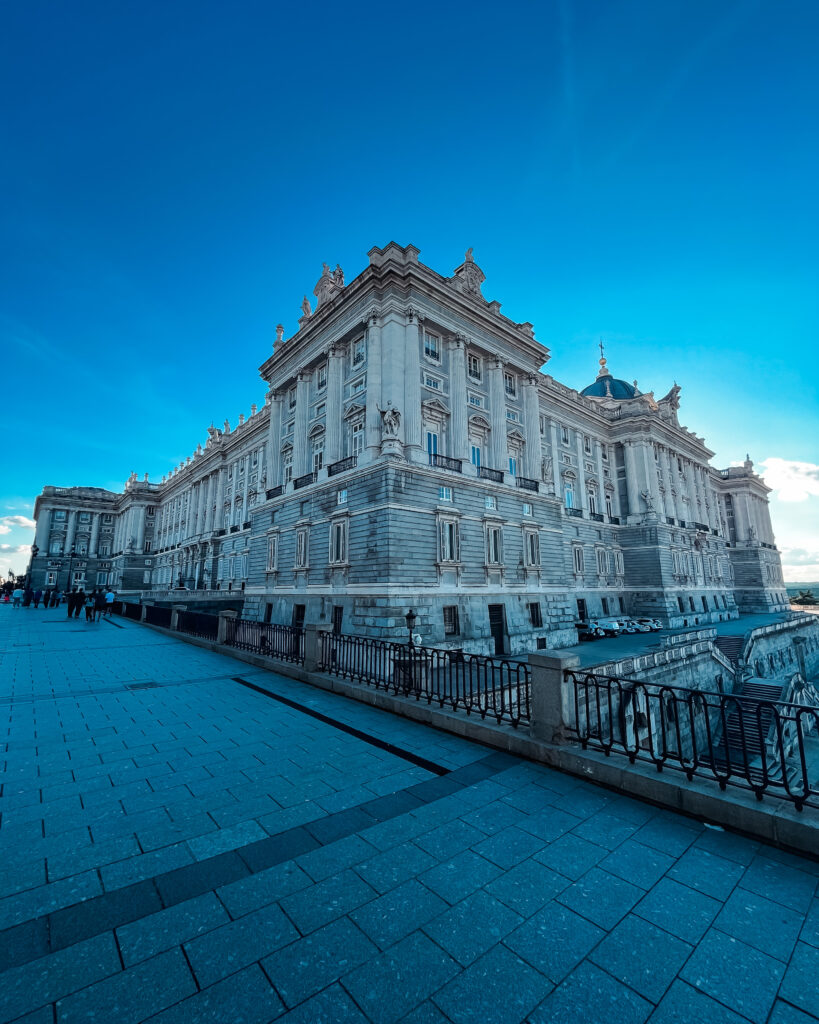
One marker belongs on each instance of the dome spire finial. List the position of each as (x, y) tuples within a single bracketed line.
[(604, 370)]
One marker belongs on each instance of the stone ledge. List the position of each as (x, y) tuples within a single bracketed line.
[(772, 820)]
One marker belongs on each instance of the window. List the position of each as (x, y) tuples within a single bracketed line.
[(512, 415), (147, 547), (605, 604), (338, 542), (291, 400), (320, 410), (564, 435), (513, 465), (592, 502), (476, 400), (82, 547), (432, 346), (618, 563), (490, 502), (448, 541), (318, 454), (452, 626), (568, 494), (680, 604), (587, 446), (359, 352), (357, 438), (705, 604), (609, 511), (604, 453), (527, 508), (321, 377), (59, 513), (358, 386), (510, 384), (473, 367), (542, 426), (602, 562), (494, 545), (691, 604), (272, 552), (55, 547), (432, 442), (51, 579), (432, 382), (535, 615), (229, 475), (445, 494), (287, 467), (301, 549), (475, 455), (577, 556), (85, 517), (341, 497), (531, 549), (338, 615)]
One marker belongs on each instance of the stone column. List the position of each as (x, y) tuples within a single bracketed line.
[(301, 446), (71, 530), (693, 510), (333, 447), (93, 544), (632, 485), (582, 497), (457, 399), (555, 459), (497, 415), (208, 522), (274, 428), (220, 500), (140, 528), (552, 696), (245, 489), (652, 483), (670, 503), (413, 427), (372, 430), (531, 428), (41, 533)]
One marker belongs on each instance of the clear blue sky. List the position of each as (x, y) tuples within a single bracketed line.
[(174, 174)]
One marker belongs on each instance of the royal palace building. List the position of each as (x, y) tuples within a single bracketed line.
[(411, 452)]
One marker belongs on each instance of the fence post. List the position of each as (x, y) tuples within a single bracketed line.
[(551, 700), (175, 610), (221, 629), (311, 648), (145, 605)]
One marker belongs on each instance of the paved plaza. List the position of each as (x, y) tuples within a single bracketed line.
[(176, 846)]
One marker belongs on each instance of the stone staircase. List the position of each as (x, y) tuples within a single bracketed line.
[(730, 646)]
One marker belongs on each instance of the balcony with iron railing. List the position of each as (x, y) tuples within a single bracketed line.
[(274, 492), (527, 484), (598, 517), (485, 473), (304, 481), (342, 465), (445, 462), (577, 513)]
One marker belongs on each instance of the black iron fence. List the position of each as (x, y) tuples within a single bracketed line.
[(733, 739), (283, 642), (198, 624), (131, 611), (158, 615), (452, 679)]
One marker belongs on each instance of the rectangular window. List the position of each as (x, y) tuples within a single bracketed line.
[(618, 562), (432, 346), (512, 415), (82, 548), (604, 453), (301, 549), (494, 545), (568, 495), (359, 352), (691, 604), (531, 549), (473, 367), (59, 513), (513, 466), (451, 624), (449, 542), (291, 398), (147, 547), (432, 382), (320, 410), (341, 497), (55, 547), (609, 511), (476, 400), (272, 552), (577, 555), (358, 386), (527, 508), (535, 614), (475, 455), (602, 562), (150, 510), (445, 494), (102, 578), (510, 384), (357, 438), (490, 502), (605, 603), (287, 468), (338, 542), (705, 604), (564, 435), (432, 442), (318, 454), (107, 518), (51, 579), (338, 615), (592, 502), (542, 426), (321, 377), (85, 517)]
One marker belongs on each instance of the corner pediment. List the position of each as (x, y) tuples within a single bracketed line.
[(354, 410), (435, 406)]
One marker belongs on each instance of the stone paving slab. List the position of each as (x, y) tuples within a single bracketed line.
[(194, 850)]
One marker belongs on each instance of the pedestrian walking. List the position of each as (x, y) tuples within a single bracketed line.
[(99, 604), (89, 608), (71, 602), (17, 597), (80, 602), (38, 596), (28, 597), (56, 598), (109, 603)]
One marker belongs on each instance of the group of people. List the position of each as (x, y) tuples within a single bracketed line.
[(96, 603)]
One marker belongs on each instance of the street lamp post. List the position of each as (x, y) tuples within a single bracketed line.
[(34, 552), (410, 618), (71, 555)]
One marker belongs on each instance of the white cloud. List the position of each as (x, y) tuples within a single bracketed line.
[(7, 523), (15, 549), (791, 481)]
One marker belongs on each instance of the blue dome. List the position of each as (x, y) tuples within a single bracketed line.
[(609, 387)]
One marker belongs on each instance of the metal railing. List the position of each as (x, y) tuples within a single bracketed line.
[(444, 462), (158, 615), (274, 492), (485, 473), (735, 740), (198, 624), (598, 517), (342, 465), (304, 481), (526, 483), (131, 610), (576, 512), (452, 679), (283, 642)]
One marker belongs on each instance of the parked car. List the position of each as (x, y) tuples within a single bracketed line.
[(609, 627), (651, 624), (636, 626), (587, 631)]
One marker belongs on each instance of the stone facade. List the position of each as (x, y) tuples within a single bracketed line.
[(412, 452)]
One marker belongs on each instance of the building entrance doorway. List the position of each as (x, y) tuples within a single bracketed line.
[(497, 627)]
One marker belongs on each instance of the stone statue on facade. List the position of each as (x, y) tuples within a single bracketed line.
[(648, 498), (306, 309), (338, 276), (390, 421)]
